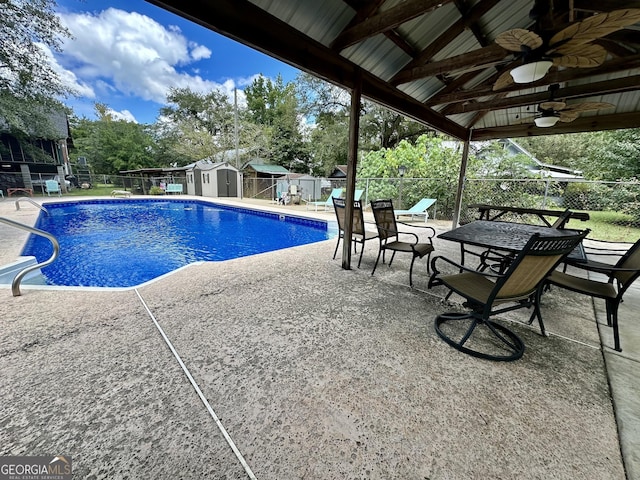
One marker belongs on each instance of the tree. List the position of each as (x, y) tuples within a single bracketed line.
[(274, 106), (329, 106), (605, 155), (384, 128), (112, 145), (613, 155), (201, 124), (431, 165), (29, 87)]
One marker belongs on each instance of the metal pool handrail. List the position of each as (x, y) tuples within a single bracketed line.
[(32, 202), (15, 285)]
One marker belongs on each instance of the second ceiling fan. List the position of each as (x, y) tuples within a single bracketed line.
[(553, 111)]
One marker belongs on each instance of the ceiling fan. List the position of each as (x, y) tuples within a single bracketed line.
[(553, 111), (570, 47)]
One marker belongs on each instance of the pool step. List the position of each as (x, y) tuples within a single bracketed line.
[(8, 272)]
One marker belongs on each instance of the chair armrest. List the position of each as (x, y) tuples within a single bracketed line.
[(604, 250), (431, 234), (462, 268), (599, 267), (396, 232)]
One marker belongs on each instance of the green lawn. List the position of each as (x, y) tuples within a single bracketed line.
[(97, 190), (609, 226)]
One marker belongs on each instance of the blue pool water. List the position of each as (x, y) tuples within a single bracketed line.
[(123, 243)]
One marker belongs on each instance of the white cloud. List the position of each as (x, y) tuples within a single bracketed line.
[(133, 52), (67, 77), (125, 115), (246, 81), (199, 52)]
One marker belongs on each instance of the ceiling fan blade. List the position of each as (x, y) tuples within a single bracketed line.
[(503, 81), (513, 40), (567, 116), (552, 105), (587, 107), (597, 26), (580, 56)]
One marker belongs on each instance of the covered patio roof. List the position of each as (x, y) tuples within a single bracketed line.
[(438, 61)]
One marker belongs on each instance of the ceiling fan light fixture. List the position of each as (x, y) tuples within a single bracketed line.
[(530, 72), (546, 121)]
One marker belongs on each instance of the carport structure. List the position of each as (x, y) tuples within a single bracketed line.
[(439, 63)]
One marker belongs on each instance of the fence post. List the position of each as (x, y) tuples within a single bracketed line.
[(546, 192)]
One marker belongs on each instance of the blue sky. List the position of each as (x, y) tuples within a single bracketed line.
[(128, 54)]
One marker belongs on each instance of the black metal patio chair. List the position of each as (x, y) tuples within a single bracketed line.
[(359, 234), (619, 276), (389, 236), (490, 293)]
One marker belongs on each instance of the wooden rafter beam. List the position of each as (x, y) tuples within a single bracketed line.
[(604, 5), (471, 61), (583, 124), (400, 42), (625, 84), (385, 21), (449, 34), (473, 24), (612, 66), (365, 11)]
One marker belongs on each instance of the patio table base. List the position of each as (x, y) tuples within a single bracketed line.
[(491, 341)]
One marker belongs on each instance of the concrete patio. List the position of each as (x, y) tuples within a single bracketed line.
[(305, 370)]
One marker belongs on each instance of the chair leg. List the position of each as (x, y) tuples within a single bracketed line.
[(337, 245), (376, 264), (361, 252), (536, 311), (411, 271), (612, 306), (512, 345), (609, 310)]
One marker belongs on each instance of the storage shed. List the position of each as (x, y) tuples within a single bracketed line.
[(208, 179)]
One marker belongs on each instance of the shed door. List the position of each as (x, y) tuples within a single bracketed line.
[(227, 183), (197, 179)]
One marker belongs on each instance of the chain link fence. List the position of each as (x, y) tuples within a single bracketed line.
[(614, 204), (93, 183)]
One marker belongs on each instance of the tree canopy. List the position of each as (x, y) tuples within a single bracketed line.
[(113, 145), (29, 86)]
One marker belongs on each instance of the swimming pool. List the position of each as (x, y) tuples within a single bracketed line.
[(123, 243)]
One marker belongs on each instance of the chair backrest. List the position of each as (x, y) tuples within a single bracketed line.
[(385, 218), (539, 257), (562, 219), (52, 186), (339, 204), (422, 205), (358, 218), (335, 193), (630, 261), (357, 194)]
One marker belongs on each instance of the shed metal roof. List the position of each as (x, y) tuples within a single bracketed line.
[(270, 169)]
